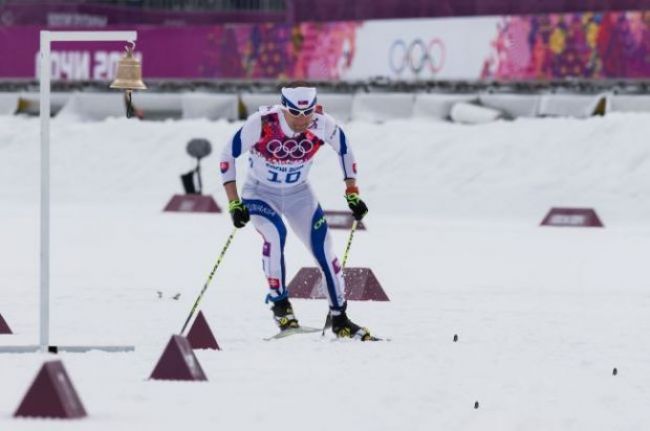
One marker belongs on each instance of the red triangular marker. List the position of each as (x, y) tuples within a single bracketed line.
[(572, 217), (178, 362), (192, 204), (361, 284), (51, 395), (4, 328), (200, 335)]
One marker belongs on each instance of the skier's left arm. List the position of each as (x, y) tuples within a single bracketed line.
[(336, 137)]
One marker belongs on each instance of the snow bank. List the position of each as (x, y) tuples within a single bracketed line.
[(499, 171)]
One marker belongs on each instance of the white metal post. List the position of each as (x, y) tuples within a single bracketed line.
[(47, 37), (45, 66)]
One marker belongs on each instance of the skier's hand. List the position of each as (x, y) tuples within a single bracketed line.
[(358, 207), (238, 213)]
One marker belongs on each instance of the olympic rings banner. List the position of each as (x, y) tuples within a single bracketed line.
[(422, 49), (604, 45), (551, 46)]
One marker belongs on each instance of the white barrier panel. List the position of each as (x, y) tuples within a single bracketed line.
[(338, 106), (9, 103), (210, 106), (93, 106), (570, 105), (158, 105), (99, 106), (629, 103), (376, 107), (382, 107), (30, 102), (438, 106), (468, 113), (252, 102), (513, 105)]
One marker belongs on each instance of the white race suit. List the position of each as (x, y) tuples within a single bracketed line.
[(276, 189)]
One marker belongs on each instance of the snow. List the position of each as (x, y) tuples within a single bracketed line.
[(542, 315)]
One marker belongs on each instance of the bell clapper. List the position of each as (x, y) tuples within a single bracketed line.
[(130, 110)]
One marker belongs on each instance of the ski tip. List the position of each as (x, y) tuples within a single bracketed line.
[(292, 331), (373, 338)]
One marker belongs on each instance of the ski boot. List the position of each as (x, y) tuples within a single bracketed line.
[(343, 327), (283, 315)]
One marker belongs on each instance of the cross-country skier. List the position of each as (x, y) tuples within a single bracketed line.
[(282, 141)]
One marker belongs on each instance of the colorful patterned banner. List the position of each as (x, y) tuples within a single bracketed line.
[(263, 51), (582, 45), (280, 51)]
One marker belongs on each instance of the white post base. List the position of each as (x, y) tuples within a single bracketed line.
[(57, 349)]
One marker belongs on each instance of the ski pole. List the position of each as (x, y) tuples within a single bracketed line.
[(205, 286), (349, 244), (328, 319)]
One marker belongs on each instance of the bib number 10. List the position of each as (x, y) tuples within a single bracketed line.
[(281, 177)]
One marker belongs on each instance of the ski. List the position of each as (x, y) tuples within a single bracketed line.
[(293, 331), (372, 338)]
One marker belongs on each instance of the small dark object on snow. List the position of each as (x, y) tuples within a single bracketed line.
[(159, 293), (475, 404), (614, 372), (455, 337), (175, 297)]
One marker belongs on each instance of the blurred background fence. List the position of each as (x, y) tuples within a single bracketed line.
[(238, 47), (175, 12)]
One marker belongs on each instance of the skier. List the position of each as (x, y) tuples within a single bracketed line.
[(282, 141)]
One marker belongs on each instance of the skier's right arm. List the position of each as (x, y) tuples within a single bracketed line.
[(240, 143)]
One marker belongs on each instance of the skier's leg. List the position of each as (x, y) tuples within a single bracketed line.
[(269, 224), (307, 220)]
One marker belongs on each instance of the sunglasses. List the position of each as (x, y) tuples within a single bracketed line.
[(298, 112)]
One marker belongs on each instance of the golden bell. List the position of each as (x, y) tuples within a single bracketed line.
[(129, 73)]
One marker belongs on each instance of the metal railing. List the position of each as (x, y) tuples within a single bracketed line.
[(216, 5), (181, 5), (572, 86)]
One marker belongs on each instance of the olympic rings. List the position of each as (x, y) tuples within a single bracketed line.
[(289, 148), (416, 55)]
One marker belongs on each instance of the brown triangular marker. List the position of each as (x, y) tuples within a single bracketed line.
[(306, 284), (4, 328), (192, 204), (51, 395), (200, 335), (572, 217), (361, 285), (178, 362)]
